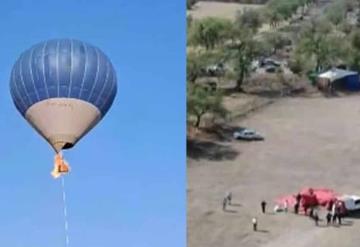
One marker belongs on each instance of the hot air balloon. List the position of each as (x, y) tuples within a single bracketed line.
[(63, 88)]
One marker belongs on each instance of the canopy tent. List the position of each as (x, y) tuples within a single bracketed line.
[(336, 74), (341, 78)]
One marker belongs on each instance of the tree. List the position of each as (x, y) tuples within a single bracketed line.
[(297, 64), (189, 21), (276, 41), (244, 54), (197, 63), (193, 66), (209, 32), (350, 5), (285, 8), (249, 18), (336, 13), (355, 55), (346, 27), (190, 4), (355, 40), (201, 100), (274, 18), (316, 43)]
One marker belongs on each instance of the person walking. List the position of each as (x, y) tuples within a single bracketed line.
[(333, 213), (316, 218), (330, 205), (263, 206), (224, 204), (338, 212), (254, 223), (229, 197), (334, 217), (328, 218), (296, 208)]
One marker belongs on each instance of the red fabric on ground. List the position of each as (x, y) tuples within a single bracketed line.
[(310, 197)]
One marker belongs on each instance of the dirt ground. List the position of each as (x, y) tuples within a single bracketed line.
[(219, 9), (309, 142)]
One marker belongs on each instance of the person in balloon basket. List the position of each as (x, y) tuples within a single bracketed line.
[(61, 167)]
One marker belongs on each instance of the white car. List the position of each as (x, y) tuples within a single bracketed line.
[(248, 135), (352, 202)]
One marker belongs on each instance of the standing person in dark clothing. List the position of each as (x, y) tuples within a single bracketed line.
[(330, 205), (333, 213), (263, 206), (224, 204), (328, 218), (296, 208), (338, 213), (316, 218), (298, 198), (229, 197), (334, 216), (311, 214)]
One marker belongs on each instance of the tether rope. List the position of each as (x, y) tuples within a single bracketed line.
[(66, 224)]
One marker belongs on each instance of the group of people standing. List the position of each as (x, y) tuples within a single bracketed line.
[(334, 210)]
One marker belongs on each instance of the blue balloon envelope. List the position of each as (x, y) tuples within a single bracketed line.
[(63, 88)]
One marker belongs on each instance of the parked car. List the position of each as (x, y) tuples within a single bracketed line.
[(215, 70), (248, 135), (270, 69), (269, 62), (352, 202)]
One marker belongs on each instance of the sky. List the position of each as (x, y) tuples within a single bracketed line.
[(127, 185)]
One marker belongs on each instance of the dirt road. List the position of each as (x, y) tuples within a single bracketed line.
[(309, 142)]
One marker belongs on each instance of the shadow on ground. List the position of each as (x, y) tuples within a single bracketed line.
[(230, 211), (276, 94), (222, 132), (353, 215), (271, 94), (263, 231), (209, 150)]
